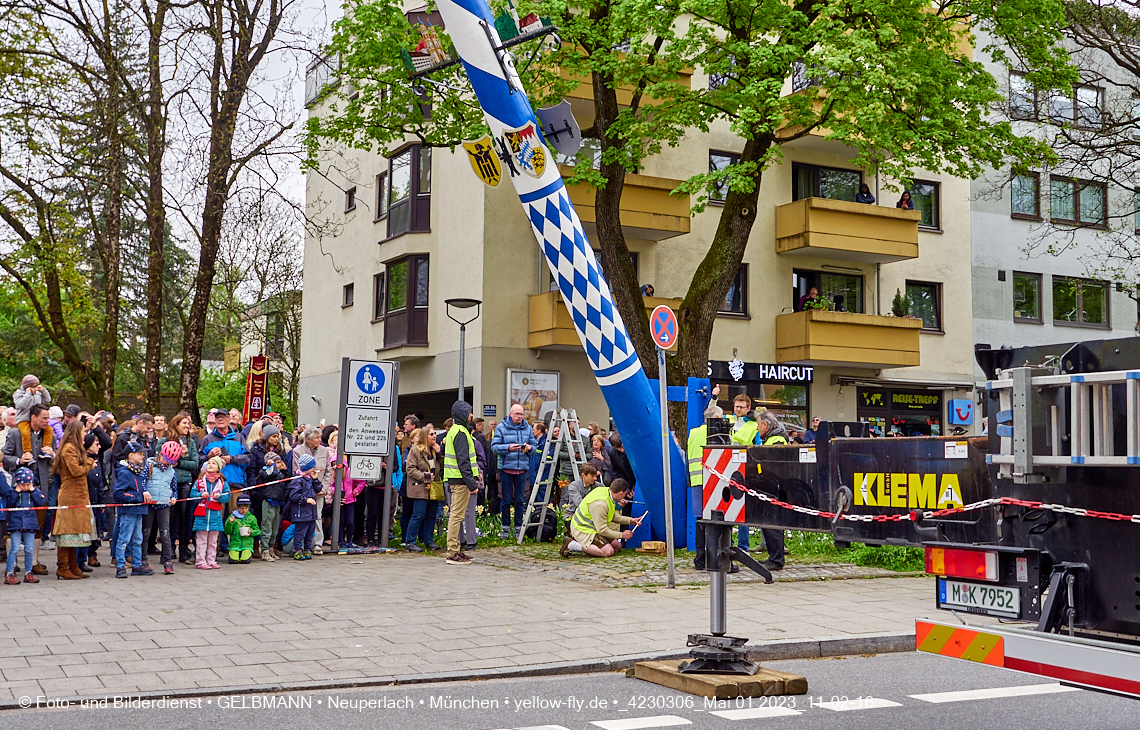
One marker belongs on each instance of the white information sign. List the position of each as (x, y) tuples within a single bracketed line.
[(369, 384), (957, 450), (807, 456), (366, 431), (365, 467)]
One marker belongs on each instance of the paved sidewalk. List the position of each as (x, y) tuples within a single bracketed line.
[(342, 617)]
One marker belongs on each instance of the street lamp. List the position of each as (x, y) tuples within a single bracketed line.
[(462, 304)]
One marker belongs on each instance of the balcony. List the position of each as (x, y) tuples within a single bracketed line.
[(648, 211), (838, 229), (818, 337), (551, 327)]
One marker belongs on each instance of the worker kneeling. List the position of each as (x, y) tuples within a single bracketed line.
[(595, 528)]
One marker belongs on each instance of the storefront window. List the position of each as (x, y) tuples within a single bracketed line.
[(782, 389), (891, 412)]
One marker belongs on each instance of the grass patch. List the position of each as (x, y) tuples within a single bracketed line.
[(819, 547)]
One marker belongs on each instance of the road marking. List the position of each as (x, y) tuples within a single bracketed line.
[(986, 694), (638, 723), (859, 703), (756, 713), (544, 727)]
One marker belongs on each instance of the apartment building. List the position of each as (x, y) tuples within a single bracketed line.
[(406, 231), (1037, 275)]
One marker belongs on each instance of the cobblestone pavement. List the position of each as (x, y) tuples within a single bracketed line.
[(338, 617)]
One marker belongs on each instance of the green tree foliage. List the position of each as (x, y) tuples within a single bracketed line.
[(893, 80)]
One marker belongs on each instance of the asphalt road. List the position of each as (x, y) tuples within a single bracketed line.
[(863, 693)]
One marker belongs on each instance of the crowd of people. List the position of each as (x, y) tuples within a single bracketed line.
[(157, 487)]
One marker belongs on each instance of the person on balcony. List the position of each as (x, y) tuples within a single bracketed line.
[(647, 290), (864, 195), (905, 202)]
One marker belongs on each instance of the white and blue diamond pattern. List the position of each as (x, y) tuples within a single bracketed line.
[(587, 296)]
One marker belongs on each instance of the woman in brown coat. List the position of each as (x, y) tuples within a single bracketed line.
[(420, 469), (72, 526)]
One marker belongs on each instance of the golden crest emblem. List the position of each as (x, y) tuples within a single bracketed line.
[(484, 161)]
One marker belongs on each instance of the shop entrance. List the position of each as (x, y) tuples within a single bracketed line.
[(896, 412)]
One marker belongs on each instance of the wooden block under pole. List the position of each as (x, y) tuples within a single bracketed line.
[(765, 683)]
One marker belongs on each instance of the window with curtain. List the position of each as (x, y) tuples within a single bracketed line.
[(1026, 194), (1022, 97), (1077, 201), (736, 300), (812, 181)]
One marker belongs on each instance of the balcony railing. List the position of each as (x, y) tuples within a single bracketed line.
[(552, 328), (838, 229), (820, 337), (648, 211)]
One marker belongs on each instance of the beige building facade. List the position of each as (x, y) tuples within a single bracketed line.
[(396, 235)]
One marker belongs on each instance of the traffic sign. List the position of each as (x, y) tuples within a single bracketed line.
[(663, 323), (369, 384)]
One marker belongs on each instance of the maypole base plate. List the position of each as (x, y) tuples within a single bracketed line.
[(763, 683)]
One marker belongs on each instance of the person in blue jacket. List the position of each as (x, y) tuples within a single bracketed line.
[(23, 525), (130, 491), (513, 444), (303, 508)]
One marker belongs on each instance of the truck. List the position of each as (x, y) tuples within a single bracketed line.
[(1034, 525)]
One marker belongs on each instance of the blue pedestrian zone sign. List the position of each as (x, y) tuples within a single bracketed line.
[(370, 384)]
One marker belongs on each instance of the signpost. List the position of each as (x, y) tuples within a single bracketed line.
[(663, 324), (368, 390)]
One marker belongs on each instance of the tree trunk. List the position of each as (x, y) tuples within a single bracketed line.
[(112, 243), (154, 120)]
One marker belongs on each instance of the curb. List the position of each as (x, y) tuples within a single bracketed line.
[(765, 651)]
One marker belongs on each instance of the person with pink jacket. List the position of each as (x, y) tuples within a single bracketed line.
[(350, 490)]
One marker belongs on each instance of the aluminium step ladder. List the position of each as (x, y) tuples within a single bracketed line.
[(568, 445)]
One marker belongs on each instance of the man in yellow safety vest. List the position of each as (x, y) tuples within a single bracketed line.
[(461, 473), (594, 528)]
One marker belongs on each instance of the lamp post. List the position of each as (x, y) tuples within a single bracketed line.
[(462, 304)]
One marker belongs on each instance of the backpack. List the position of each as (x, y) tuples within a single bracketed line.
[(549, 528)]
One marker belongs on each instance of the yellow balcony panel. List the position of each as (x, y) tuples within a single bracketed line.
[(648, 211), (550, 325), (818, 337), (838, 229)]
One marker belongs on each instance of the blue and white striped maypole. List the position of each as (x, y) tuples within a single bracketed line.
[(563, 241)]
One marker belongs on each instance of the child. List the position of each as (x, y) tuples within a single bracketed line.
[(212, 491), (160, 476), (30, 393), (130, 491), (349, 493), (303, 510), (22, 526), (276, 474), (242, 528)]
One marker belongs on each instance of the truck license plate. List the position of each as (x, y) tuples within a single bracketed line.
[(979, 598)]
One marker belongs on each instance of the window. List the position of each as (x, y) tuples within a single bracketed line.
[(1082, 107), (409, 191), (602, 269), (1022, 97), (378, 297), (318, 76), (1136, 117), (1077, 201), (719, 161), (736, 300), (1080, 302), (275, 334), (841, 292), (381, 196), (1026, 193), (925, 195), (591, 150), (1026, 297), (810, 181), (350, 200), (1136, 210), (405, 302), (1090, 105), (348, 295), (925, 302)]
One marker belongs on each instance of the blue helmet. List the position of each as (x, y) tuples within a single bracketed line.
[(24, 475)]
